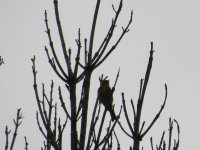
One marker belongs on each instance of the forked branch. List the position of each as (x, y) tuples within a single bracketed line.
[(162, 145), (17, 123)]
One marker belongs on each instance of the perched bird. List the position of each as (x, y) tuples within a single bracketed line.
[(105, 95)]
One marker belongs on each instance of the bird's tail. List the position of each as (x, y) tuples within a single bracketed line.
[(112, 114)]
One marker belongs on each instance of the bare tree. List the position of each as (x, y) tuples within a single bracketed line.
[(91, 133), (50, 123), (137, 130), (71, 78)]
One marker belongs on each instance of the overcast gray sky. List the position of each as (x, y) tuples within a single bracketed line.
[(173, 26)]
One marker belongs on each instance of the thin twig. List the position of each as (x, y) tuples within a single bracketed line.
[(52, 63), (92, 125), (7, 138), (17, 123), (124, 130), (126, 116), (86, 52), (93, 31), (161, 141), (1, 61), (63, 103), (151, 139), (67, 60), (113, 88), (78, 41), (133, 108), (157, 115), (108, 37), (170, 133), (108, 135), (36, 92), (125, 30), (118, 144), (52, 47), (177, 143), (39, 126), (142, 127), (26, 144), (100, 130)]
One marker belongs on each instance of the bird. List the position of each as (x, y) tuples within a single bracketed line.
[(105, 95)]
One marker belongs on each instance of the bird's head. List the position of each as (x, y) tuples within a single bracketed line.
[(105, 82)]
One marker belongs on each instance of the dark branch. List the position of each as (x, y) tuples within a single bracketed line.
[(93, 31), (7, 132), (1, 61), (124, 130), (113, 88), (116, 44), (63, 103), (52, 47), (78, 42), (107, 38), (17, 123), (26, 144), (52, 63), (158, 114), (67, 60), (151, 139), (161, 141), (126, 116), (92, 125)]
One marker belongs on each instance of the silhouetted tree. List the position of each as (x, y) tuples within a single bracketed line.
[(88, 134), (51, 127)]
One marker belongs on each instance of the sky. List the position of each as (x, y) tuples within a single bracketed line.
[(172, 25)]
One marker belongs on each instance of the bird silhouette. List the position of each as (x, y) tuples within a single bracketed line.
[(105, 95)]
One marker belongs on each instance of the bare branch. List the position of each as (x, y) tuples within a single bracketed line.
[(133, 108), (63, 103), (108, 37), (170, 133), (117, 42), (7, 138), (118, 144), (161, 141), (142, 127), (176, 145), (67, 60), (51, 61), (1, 61), (78, 41), (39, 126), (17, 123), (158, 114), (100, 130), (109, 133), (124, 130), (26, 144), (113, 88), (86, 52), (93, 31), (52, 47), (80, 103), (126, 116), (36, 92), (92, 124), (106, 140), (141, 85), (151, 139)]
